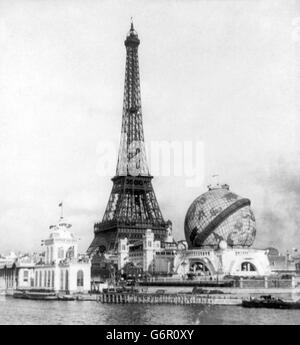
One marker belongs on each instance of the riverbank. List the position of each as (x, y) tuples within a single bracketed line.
[(186, 296), (175, 295), (52, 296)]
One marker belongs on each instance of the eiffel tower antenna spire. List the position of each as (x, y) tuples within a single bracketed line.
[(132, 206)]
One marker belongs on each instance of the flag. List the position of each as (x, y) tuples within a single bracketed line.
[(60, 204)]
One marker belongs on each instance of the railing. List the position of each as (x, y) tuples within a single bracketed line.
[(266, 283), (234, 283), (177, 282)]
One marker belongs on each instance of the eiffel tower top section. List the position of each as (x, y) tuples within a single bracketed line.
[(132, 38), (132, 155)]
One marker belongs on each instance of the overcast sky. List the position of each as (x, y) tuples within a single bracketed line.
[(225, 73)]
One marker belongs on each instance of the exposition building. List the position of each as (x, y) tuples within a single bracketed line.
[(219, 230), (59, 268)]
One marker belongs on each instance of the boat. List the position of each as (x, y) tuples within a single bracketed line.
[(66, 298), (35, 295), (42, 295), (268, 301), (201, 291), (19, 294)]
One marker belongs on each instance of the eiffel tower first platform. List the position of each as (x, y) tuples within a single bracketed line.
[(132, 207)]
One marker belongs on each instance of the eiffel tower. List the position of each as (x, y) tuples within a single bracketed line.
[(132, 207)]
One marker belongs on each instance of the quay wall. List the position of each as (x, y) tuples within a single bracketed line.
[(289, 293), (242, 283)]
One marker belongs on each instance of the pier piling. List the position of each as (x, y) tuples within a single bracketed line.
[(177, 299)]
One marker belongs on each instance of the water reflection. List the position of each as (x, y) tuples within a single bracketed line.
[(17, 311)]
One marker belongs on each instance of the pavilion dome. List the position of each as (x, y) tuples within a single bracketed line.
[(61, 230)]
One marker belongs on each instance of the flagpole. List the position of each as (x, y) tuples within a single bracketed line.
[(61, 210)]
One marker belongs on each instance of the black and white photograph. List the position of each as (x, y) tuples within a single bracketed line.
[(150, 165)]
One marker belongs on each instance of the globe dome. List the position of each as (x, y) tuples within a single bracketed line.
[(220, 215)]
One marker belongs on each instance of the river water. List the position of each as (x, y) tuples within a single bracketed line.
[(18, 311)]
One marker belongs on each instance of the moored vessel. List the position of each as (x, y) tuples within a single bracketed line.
[(35, 295), (268, 301)]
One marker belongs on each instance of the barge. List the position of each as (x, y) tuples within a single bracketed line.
[(35, 295)]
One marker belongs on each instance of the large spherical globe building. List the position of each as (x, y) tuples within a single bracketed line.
[(220, 218)]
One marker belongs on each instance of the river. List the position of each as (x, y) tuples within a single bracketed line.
[(18, 311)]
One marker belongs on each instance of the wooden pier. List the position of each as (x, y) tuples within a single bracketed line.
[(153, 298)]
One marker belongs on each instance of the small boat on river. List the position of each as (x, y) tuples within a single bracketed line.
[(35, 295), (268, 301), (66, 298)]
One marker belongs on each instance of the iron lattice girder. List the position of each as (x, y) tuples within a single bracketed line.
[(132, 154), (132, 206), (128, 227), (134, 184), (132, 201)]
